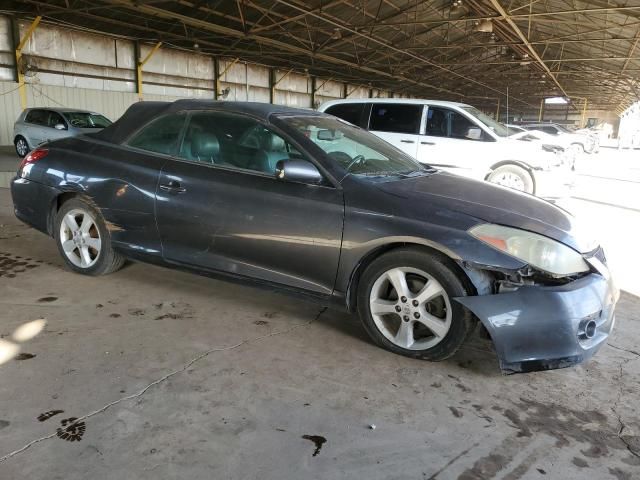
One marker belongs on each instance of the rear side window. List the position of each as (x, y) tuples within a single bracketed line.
[(350, 112), (161, 135), (37, 117), (395, 118)]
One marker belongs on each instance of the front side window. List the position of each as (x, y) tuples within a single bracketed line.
[(357, 151), (56, 119), (498, 128), (349, 112), (160, 136), (87, 120), (443, 122), (395, 118), (235, 141)]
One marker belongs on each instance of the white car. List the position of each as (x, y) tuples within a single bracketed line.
[(579, 140), (567, 151), (460, 139)]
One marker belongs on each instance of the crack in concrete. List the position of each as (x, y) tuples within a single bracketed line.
[(614, 407), (637, 354), (166, 377), (452, 461)]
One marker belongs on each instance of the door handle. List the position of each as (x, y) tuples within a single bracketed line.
[(427, 143), (173, 187), (407, 141)]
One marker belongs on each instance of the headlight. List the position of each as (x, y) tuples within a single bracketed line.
[(537, 250)]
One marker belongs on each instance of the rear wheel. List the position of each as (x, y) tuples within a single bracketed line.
[(512, 176), (84, 241), (405, 301), (22, 147)]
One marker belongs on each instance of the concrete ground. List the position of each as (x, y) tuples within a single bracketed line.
[(179, 376)]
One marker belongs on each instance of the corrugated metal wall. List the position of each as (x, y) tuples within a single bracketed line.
[(71, 68), (110, 104)]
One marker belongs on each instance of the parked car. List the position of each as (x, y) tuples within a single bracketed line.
[(581, 141), (460, 139), (35, 126), (567, 152), (269, 195)]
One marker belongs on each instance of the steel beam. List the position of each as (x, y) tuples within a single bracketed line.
[(22, 88), (140, 64)]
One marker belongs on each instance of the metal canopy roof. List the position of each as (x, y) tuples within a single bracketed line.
[(434, 49)]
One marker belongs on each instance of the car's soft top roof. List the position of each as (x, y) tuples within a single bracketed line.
[(142, 112)]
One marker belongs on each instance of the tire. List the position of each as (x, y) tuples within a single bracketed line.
[(512, 176), (22, 146), (389, 329), (100, 258)]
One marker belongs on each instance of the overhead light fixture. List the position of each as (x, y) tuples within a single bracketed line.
[(485, 26), (556, 100), (337, 34)]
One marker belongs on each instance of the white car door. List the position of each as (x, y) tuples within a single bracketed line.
[(455, 143), (398, 124)]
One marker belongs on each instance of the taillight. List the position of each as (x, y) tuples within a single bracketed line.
[(32, 158)]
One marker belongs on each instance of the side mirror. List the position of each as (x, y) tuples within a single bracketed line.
[(299, 171), (474, 133), (60, 126)]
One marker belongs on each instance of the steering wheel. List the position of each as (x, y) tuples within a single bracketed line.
[(75, 122), (357, 159)]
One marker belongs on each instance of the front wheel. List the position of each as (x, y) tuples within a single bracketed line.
[(84, 241), (512, 176), (405, 302)]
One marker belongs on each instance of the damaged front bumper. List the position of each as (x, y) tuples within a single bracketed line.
[(544, 327)]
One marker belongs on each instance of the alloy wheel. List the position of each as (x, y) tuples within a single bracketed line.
[(410, 308), (511, 180), (22, 147), (80, 238)]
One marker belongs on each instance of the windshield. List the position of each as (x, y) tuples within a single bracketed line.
[(357, 151), (87, 120), (563, 129), (513, 130), (497, 127)]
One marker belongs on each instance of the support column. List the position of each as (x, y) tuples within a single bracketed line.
[(272, 85), (140, 64), (220, 74), (541, 114), (313, 92), (216, 78), (19, 70)]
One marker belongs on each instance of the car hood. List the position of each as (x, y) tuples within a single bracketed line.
[(489, 203)]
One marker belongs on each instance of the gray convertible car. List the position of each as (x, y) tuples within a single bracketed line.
[(307, 203)]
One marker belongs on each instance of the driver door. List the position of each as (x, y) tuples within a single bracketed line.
[(454, 143), (220, 207), (398, 124)]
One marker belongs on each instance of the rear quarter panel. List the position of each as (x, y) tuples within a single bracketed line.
[(119, 182)]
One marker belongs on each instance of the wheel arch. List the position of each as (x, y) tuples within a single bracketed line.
[(448, 257), (58, 201), (517, 163)]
